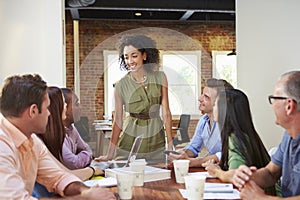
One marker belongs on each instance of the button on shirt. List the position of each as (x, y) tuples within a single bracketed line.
[(206, 137), (76, 153), (24, 161), (287, 157)]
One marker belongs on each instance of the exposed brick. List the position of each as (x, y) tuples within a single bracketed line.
[(94, 36)]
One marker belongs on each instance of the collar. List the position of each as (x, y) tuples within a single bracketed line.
[(14, 133)]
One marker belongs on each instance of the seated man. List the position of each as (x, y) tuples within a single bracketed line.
[(285, 163), (207, 133), (24, 159), (76, 153)]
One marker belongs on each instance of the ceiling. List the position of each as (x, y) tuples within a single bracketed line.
[(153, 10)]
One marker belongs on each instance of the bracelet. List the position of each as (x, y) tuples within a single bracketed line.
[(93, 172)]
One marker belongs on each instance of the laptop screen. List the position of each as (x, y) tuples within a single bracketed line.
[(134, 149), (122, 163)]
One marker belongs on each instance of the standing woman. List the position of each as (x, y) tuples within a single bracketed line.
[(141, 93)]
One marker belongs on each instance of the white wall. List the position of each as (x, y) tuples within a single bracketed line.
[(31, 39), (268, 45)]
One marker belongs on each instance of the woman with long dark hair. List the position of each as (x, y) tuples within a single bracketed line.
[(54, 139), (241, 143)]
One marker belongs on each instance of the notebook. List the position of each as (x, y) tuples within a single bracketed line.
[(122, 163)]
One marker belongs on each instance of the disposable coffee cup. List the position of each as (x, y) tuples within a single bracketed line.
[(139, 170), (194, 186), (181, 168), (125, 185)]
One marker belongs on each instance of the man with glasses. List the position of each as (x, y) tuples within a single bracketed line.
[(207, 134), (285, 162)]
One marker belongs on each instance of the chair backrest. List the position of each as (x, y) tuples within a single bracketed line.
[(182, 132), (83, 128), (184, 121)]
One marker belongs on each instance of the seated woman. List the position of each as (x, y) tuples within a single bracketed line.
[(241, 143), (54, 138)]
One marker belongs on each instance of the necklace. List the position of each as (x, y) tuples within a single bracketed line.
[(142, 81)]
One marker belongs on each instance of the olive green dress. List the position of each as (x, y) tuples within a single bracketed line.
[(142, 105)]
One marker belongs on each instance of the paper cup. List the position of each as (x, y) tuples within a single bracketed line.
[(195, 186), (139, 169), (125, 185), (181, 168)]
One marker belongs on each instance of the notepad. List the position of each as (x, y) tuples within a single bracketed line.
[(218, 188)]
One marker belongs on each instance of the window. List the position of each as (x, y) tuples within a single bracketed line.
[(182, 69), (224, 67), (112, 73)]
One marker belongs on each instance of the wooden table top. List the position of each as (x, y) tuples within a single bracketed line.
[(164, 189)]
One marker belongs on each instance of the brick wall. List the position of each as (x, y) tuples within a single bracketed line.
[(96, 36)]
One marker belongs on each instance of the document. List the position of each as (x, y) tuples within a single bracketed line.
[(104, 182), (233, 195), (218, 188), (201, 174)]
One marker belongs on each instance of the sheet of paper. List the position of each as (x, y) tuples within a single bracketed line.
[(104, 182), (233, 195), (201, 173), (218, 187)]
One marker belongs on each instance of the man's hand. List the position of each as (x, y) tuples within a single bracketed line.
[(242, 175), (181, 155), (252, 191), (98, 193)]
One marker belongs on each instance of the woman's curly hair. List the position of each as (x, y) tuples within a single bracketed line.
[(145, 45)]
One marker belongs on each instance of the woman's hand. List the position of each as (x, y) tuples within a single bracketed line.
[(98, 170), (101, 158), (211, 167)]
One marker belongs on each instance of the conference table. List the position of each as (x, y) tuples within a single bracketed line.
[(163, 189)]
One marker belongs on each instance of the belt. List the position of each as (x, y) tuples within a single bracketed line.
[(145, 115)]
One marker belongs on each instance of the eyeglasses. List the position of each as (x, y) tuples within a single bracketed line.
[(272, 98)]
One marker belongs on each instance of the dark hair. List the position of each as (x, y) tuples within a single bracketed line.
[(21, 91), (235, 116), (66, 92), (144, 44), (55, 132), (218, 84)]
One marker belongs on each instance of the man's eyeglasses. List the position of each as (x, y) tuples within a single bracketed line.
[(272, 98)]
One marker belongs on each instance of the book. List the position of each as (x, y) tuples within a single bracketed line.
[(151, 173)]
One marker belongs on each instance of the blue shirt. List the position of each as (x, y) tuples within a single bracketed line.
[(287, 157), (206, 136)]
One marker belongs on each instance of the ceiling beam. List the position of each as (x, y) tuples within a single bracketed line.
[(187, 15), (165, 5)]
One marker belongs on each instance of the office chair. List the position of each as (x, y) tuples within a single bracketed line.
[(83, 128), (182, 130)]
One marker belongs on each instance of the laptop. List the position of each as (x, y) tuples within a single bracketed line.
[(122, 163)]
